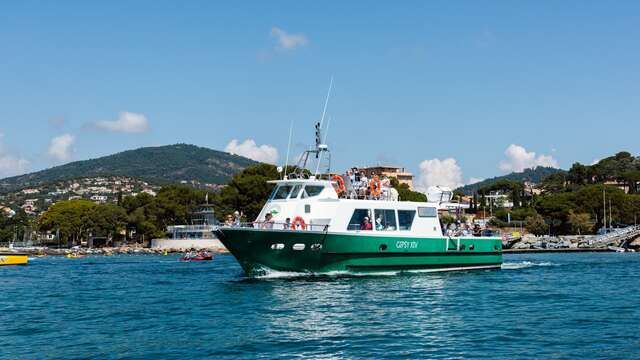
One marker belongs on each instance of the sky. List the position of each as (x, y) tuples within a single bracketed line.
[(454, 91)]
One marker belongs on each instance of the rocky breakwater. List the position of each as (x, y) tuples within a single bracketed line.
[(532, 242)]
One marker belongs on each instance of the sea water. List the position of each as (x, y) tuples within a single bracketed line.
[(151, 307)]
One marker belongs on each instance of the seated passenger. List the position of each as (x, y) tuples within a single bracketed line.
[(366, 225), (379, 226), (287, 224)]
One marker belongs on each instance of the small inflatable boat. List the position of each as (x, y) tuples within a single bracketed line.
[(203, 257)]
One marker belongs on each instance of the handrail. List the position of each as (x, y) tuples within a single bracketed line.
[(262, 225), (620, 234)]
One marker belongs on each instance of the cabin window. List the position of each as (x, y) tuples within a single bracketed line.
[(427, 212), (405, 219), (357, 221), (282, 192), (311, 191), (385, 220), (295, 192)]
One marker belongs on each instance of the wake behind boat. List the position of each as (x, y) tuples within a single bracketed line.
[(333, 230)]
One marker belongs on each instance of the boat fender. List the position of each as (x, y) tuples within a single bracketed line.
[(298, 221)]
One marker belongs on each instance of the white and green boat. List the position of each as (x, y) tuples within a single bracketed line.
[(329, 233)]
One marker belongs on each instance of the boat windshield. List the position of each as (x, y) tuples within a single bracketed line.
[(311, 191), (281, 192)]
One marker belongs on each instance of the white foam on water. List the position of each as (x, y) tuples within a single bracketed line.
[(268, 273), (524, 265)]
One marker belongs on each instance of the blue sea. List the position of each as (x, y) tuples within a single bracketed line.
[(550, 306)]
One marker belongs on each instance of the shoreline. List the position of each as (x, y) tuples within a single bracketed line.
[(533, 251)]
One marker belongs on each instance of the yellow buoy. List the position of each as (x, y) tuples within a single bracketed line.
[(13, 259)]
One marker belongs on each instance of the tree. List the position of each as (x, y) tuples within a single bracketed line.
[(15, 227), (406, 194), (535, 224), (106, 220), (580, 222), (248, 191), (446, 219), (70, 217), (578, 174), (554, 183)]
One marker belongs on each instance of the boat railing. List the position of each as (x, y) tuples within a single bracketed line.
[(281, 226), (183, 228)]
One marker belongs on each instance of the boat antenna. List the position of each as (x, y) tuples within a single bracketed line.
[(326, 101), (324, 142), (284, 173)]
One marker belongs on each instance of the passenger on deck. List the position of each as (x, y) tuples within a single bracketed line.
[(236, 218), (477, 231), (364, 186), (465, 230), (349, 186), (268, 221), (386, 186), (287, 224), (228, 221), (366, 225), (450, 230)]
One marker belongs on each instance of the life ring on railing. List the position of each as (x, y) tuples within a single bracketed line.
[(375, 185), (298, 221), (337, 178)]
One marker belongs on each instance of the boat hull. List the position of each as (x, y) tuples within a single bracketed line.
[(259, 251), (11, 259)]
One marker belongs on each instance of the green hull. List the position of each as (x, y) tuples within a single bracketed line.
[(259, 251)]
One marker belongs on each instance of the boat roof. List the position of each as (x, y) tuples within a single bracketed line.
[(300, 181)]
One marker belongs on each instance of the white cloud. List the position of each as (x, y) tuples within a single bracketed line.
[(249, 149), (439, 172), (288, 41), (60, 147), (11, 165), (127, 122), (518, 159)]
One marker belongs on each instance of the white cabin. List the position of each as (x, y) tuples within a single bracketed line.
[(318, 204)]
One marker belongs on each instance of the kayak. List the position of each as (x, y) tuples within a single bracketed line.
[(14, 259)]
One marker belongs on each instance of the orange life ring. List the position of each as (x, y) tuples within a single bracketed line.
[(375, 185), (296, 221), (340, 181)]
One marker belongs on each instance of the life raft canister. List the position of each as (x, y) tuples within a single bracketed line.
[(340, 189), (375, 185), (298, 221)]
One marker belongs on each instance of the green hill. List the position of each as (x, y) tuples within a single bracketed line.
[(532, 175), (161, 164)]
